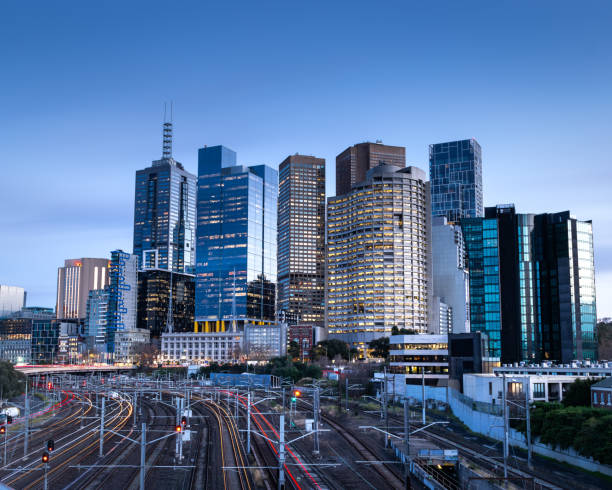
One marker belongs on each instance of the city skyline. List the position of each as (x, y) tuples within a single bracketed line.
[(537, 106)]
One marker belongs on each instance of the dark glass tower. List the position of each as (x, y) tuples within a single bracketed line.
[(455, 173), (354, 162), (301, 240), (164, 213), (532, 288), (236, 242)]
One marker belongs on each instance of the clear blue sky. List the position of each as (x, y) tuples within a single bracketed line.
[(83, 84)]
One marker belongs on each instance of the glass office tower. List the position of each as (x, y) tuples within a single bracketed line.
[(301, 240), (164, 213), (455, 173), (236, 242), (532, 288), (122, 295)]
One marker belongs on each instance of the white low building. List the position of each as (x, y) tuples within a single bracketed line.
[(195, 347), (488, 388)]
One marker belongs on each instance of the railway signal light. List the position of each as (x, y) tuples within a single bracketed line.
[(2, 430), (50, 445), (296, 395), (45, 457), (184, 421), (178, 428), (9, 419)]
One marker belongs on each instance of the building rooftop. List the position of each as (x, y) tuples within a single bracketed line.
[(604, 383)]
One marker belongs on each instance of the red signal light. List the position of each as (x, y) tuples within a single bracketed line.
[(178, 428), (45, 457), (297, 393), (2, 430)]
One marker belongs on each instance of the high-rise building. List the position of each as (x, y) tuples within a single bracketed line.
[(29, 336), (354, 162), (12, 299), (379, 256), (450, 277), (122, 299), (236, 242), (301, 240), (455, 172), (532, 287), (74, 281), (97, 320), (164, 213), (155, 302)]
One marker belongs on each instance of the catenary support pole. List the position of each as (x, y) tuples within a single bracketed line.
[(528, 423), (143, 451), (505, 412), (281, 454), (101, 453), (27, 419), (249, 423)]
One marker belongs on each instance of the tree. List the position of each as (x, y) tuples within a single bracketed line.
[(294, 350), (145, 354), (604, 340), (12, 382), (331, 348), (403, 331), (579, 393), (380, 347)]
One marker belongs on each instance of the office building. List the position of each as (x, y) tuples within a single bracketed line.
[(467, 353), (74, 281), (601, 394), (420, 358), (263, 342), (455, 172), (442, 316), (354, 162), (236, 242), (97, 320), (379, 257), (164, 213), (70, 345), (186, 348), (128, 343), (16, 339), (157, 300), (301, 240), (12, 299), (450, 277), (532, 285), (303, 336), (122, 296)]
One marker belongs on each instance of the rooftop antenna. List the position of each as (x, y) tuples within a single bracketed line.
[(167, 134)]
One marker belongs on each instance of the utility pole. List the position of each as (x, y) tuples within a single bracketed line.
[(143, 450), (346, 392), (102, 427), (281, 454), (423, 390), (249, 423), (316, 420), (528, 423), (386, 412), (407, 442), (505, 426), (27, 419), (45, 483)]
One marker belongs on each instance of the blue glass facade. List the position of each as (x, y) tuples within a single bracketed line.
[(455, 173), (532, 286), (122, 295), (236, 241), (482, 247), (164, 216)]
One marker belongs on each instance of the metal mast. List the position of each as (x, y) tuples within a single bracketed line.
[(167, 135), (170, 319)]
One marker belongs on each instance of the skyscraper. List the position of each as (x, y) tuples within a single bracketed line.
[(164, 212), (532, 287), (74, 281), (455, 172), (450, 277), (379, 256), (236, 242), (301, 240), (354, 162), (122, 298)]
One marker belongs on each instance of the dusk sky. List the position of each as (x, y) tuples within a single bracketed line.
[(83, 86)]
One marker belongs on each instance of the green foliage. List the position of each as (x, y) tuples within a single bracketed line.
[(587, 430), (294, 349), (604, 340), (12, 382), (380, 347), (277, 366), (330, 349), (579, 393), (402, 331)]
